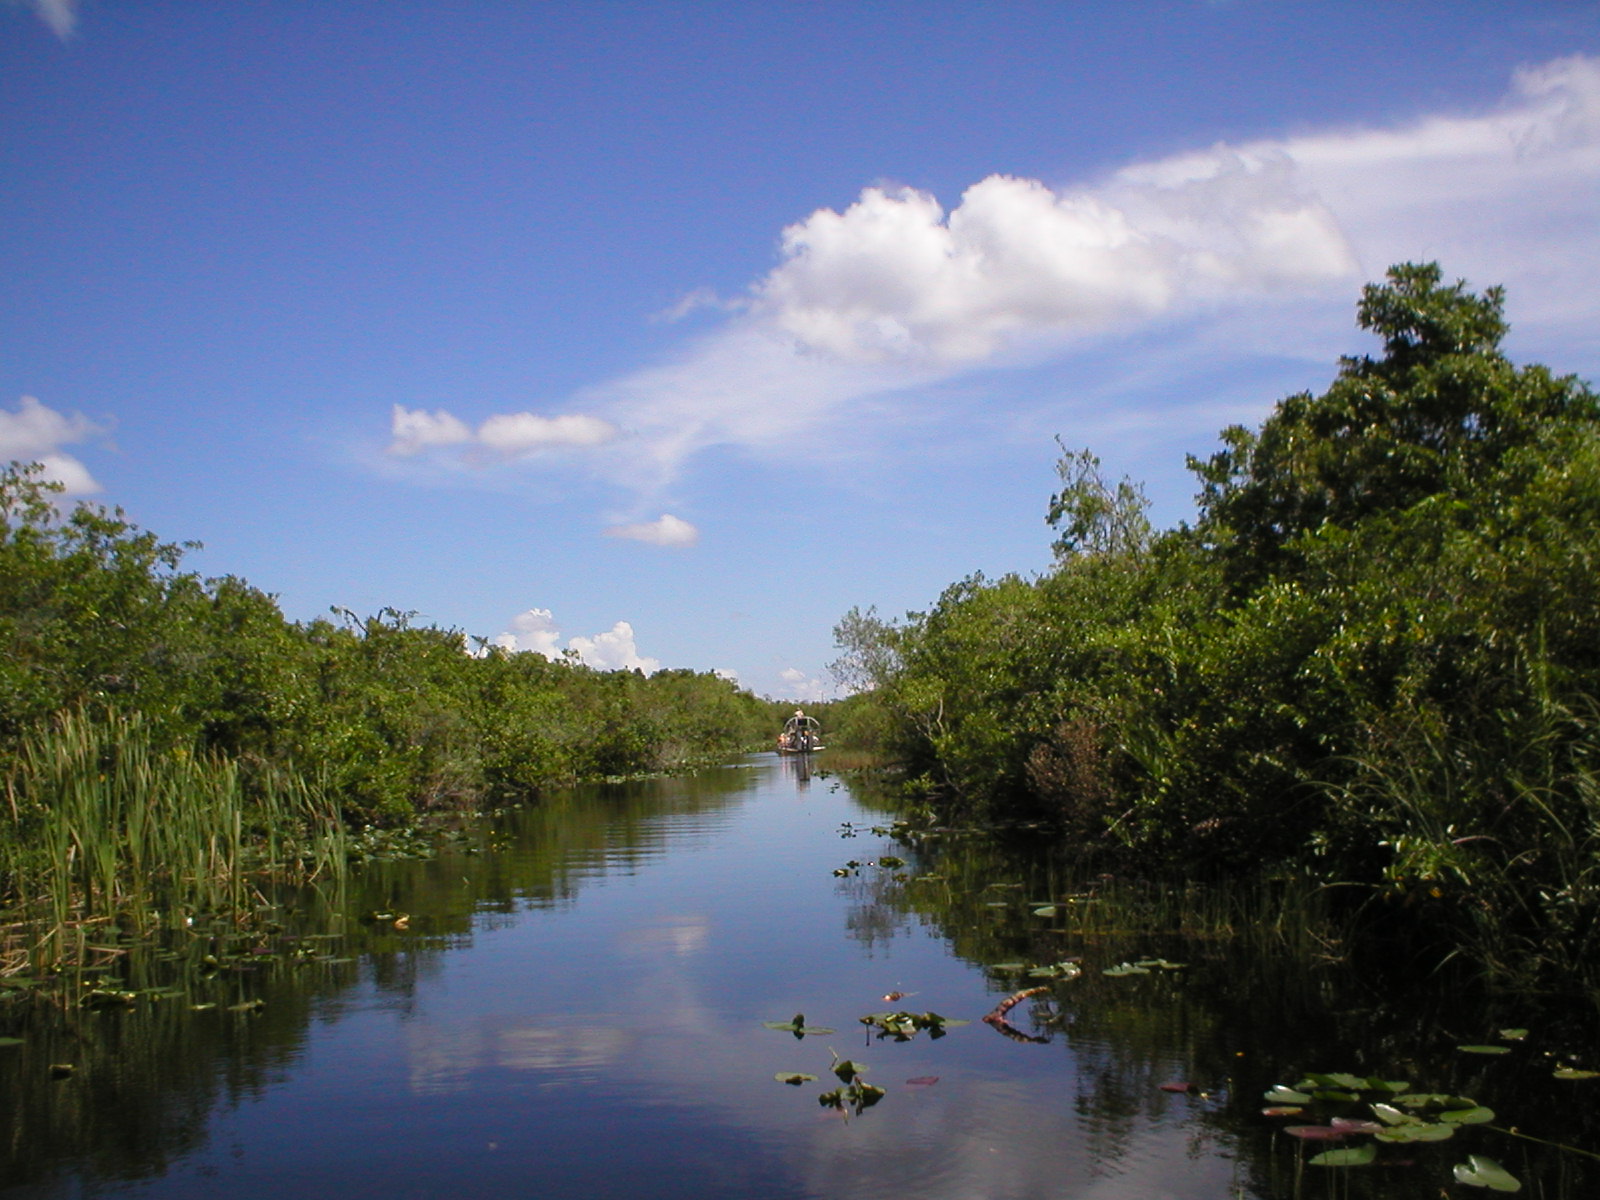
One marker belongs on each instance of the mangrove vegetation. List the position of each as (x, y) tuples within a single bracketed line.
[(1372, 663), (164, 735)]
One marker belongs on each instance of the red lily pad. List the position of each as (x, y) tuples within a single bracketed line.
[(1316, 1133)]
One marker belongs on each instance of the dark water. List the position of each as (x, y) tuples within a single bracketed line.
[(575, 1010)]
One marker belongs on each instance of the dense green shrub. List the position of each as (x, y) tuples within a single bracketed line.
[(1376, 655)]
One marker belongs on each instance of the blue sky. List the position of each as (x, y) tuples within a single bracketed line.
[(666, 333)]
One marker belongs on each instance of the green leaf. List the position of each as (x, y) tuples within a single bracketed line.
[(1513, 1035), (1008, 966), (1429, 1100), (1334, 1097), (794, 1078), (1420, 1131), (10, 1041), (1575, 1073), (1479, 1171), (1343, 1080), (1468, 1116), (1484, 1049), (1286, 1095), (1045, 910), (1390, 1115), (1388, 1085), (1353, 1156)]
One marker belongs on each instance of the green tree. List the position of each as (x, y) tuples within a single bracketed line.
[(1441, 407)]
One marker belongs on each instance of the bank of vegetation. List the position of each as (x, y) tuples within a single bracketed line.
[(1372, 661), (161, 732)]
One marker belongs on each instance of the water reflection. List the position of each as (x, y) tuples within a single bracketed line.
[(568, 1001)]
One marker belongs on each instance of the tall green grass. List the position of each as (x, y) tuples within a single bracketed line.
[(1490, 822), (103, 821)]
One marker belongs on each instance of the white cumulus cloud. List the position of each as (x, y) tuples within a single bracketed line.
[(525, 433), (414, 431), (534, 631), (36, 433), (869, 305), (894, 276), (613, 650), (666, 530)]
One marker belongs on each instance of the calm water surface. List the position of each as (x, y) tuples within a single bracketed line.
[(572, 1002)]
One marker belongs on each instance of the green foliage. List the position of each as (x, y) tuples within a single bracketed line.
[(1376, 657), (1094, 517), (101, 626)]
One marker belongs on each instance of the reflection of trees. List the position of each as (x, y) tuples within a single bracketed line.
[(148, 1075), (1244, 1014)]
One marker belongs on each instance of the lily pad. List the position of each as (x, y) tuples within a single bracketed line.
[(1390, 1115), (1420, 1131), (1433, 1100), (1468, 1116), (1351, 1156), (1353, 1125), (1045, 910), (794, 1078), (801, 1030), (1282, 1110), (847, 1069), (1125, 969), (1316, 1133), (10, 1041), (1484, 1049), (1009, 966), (1392, 1086), (1575, 1073), (1513, 1035), (1286, 1095), (1479, 1171), (1340, 1079)]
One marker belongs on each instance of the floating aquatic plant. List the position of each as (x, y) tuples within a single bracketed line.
[(854, 1095), (798, 1027), (903, 1026), (1479, 1171)]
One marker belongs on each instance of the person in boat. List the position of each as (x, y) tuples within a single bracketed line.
[(797, 733)]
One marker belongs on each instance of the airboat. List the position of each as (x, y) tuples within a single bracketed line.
[(801, 735)]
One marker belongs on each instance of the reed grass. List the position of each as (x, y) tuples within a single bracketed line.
[(102, 821), (1497, 835)]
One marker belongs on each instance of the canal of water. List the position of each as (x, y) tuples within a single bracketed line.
[(573, 999)]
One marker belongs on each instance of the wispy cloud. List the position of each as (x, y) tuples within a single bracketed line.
[(60, 15), (895, 293), (36, 433), (797, 685), (667, 530)]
